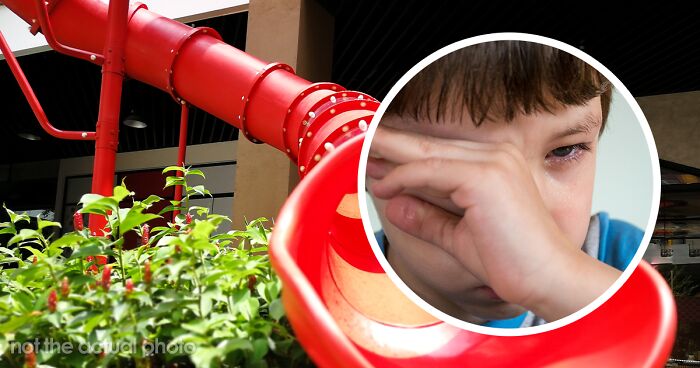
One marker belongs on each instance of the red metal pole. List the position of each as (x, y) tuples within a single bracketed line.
[(110, 100), (34, 102), (181, 151)]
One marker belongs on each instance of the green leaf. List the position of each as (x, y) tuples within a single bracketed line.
[(200, 210), (199, 189), (204, 357), (120, 192), (3, 345), (89, 198), (68, 306), (198, 327), (230, 345), (160, 229), (174, 180), (43, 223), (23, 301), (272, 289), (257, 232), (187, 338), (202, 229), (15, 323), (9, 260), (170, 209), (203, 244), (24, 234), (253, 305), (87, 320), (92, 322), (261, 288), (175, 269), (90, 250), (170, 240), (67, 240), (35, 252), (9, 252), (162, 253), (135, 219), (211, 294), (276, 309), (151, 199), (97, 204), (8, 230), (257, 223), (196, 172), (54, 320), (174, 168), (217, 219), (124, 211), (143, 297), (206, 304), (214, 275), (15, 218), (27, 275), (80, 280), (246, 305), (260, 349), (119, 311)]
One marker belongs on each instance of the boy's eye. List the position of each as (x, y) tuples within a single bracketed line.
[(563, 151), (566, 153)]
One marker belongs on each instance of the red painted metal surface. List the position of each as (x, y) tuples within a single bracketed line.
[(342, 306), (34, 102), (268, 100), (44, 23), (340, 328)]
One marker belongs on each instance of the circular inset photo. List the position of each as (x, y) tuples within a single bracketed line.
[(506, 183)]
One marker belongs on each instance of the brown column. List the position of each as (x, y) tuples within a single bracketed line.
[(299, 33), (675, 122)]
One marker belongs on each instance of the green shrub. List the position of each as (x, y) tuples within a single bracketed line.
[(187, 296)]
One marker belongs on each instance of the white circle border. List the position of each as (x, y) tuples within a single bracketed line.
[(656, 185)]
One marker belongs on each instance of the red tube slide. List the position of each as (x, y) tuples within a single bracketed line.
[(268, 102)]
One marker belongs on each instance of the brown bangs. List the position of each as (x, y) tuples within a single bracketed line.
[(499, 80)]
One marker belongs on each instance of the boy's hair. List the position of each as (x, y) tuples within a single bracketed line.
[(500, 79)]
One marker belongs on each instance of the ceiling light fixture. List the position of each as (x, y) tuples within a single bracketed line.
[(134, 121), (29, 136)]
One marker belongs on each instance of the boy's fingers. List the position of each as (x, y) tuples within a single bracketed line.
[(378, 168), (402, 147), (438, 176), (425, 221), (438, 199)]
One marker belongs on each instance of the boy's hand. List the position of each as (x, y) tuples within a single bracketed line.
[(480, 203)]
